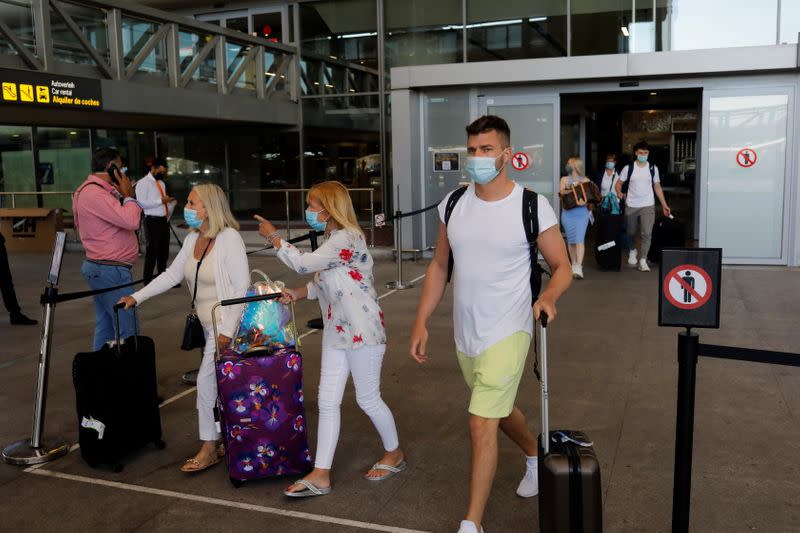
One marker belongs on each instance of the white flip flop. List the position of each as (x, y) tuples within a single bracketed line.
[(312, 490), (393, 471)]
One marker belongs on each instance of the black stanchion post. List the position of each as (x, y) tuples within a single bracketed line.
[(688, 349), (37, 449), (314, 323)]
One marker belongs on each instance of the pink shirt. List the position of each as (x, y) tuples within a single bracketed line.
[(107, 228)]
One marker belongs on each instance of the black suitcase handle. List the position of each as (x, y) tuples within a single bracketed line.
[(118, 331)]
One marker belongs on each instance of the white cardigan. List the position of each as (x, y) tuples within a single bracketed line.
[(232, 275)]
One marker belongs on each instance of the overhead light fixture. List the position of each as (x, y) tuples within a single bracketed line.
[(140, 132), (334, 57), (483, 24), (624, 30), (357, 35), (653, 93), (537, 19), (73, 133), (269, 73)]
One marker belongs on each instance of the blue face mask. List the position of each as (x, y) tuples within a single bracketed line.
[(190, 216), (312, 217), (641, 158), (481, 170), (610, 165), (568, 169)]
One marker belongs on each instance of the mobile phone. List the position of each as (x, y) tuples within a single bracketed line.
[(112, 172)]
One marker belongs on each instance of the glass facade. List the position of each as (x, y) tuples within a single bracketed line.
[(515, 30), (419, 32), (16, 164)]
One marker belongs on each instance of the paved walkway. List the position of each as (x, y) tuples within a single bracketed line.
[(613, 374)]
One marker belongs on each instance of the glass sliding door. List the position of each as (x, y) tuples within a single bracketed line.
[(745, 137), (534, 133)]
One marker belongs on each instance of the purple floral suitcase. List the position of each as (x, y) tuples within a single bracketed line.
[(261, 412), (262, 416)]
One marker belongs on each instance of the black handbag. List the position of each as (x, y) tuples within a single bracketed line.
[(193, 335)]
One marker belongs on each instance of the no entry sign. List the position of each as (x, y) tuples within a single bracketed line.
[(520, 161), (746, 157), (689, 287)]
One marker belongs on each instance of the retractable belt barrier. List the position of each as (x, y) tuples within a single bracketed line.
[(398, 284), (37, 449)]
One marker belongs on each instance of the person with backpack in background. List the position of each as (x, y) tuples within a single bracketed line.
[(494, 229), (638, 185)]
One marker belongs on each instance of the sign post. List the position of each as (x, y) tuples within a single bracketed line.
[(688, 297)]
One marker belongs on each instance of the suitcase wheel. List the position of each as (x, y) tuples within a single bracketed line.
[(160, 444), (236, 482), (117, 468)]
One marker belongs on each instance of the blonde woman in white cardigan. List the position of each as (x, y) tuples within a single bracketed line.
[(223, 274)]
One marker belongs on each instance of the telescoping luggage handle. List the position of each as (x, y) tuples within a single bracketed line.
[(118, 331), (236, 301), (545, 391)]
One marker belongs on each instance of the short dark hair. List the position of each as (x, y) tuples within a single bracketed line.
[(641, 145), (488, 123), (611, 155), (102, 157), (158, 162)]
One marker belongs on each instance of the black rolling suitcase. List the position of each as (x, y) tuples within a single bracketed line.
[(116, 398), (608, 249), (570, 498), (667, 233)]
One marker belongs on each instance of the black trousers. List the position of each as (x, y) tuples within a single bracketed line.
[(157, 249), (6, 284)]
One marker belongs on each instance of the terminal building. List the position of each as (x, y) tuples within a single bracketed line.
[(267, 98)]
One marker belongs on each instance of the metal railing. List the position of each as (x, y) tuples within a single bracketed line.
[(14, 194), (118, 40), (287, 192)]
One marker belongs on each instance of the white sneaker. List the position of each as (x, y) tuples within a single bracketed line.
[(579, 271), (468, 526), (575, 271), (643, 267), (529, 486), (632, 258)]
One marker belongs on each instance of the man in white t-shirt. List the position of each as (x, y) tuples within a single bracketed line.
[(640, 202), (492, 314)]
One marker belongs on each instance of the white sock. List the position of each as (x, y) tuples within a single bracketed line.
[(532, 462)]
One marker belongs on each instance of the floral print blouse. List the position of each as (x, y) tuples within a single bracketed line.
[(344, 285)]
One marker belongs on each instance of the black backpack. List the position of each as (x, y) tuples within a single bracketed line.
[(530, 220), (627, 182)]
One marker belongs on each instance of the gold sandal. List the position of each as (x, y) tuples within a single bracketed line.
[(193, 465)]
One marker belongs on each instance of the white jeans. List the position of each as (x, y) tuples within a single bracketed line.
[(207, 390), (365, 365)]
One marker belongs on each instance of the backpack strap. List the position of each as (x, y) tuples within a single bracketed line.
[(455, 196), (530, 222), (627, 183)]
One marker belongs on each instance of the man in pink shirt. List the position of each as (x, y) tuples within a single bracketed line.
[(107, 217)]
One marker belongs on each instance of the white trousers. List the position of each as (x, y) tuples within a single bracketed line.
[(365, 365), (207, 390)]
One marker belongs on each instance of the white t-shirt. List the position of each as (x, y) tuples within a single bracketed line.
[(640, 191), (606, 186), (491, 276)]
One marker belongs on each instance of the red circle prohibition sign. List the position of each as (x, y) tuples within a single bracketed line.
[(696, 299), (746, 157), (520, 161)]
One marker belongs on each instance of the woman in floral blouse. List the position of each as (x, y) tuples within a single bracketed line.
[(354, 338)]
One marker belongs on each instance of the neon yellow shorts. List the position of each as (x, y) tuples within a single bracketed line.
[(494, 375)]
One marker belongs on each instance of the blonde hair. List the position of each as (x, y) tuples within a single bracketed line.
[(577, 165), (217, 208), (336, 201)]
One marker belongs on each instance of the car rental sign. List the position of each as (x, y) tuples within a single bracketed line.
[(26, 88)]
